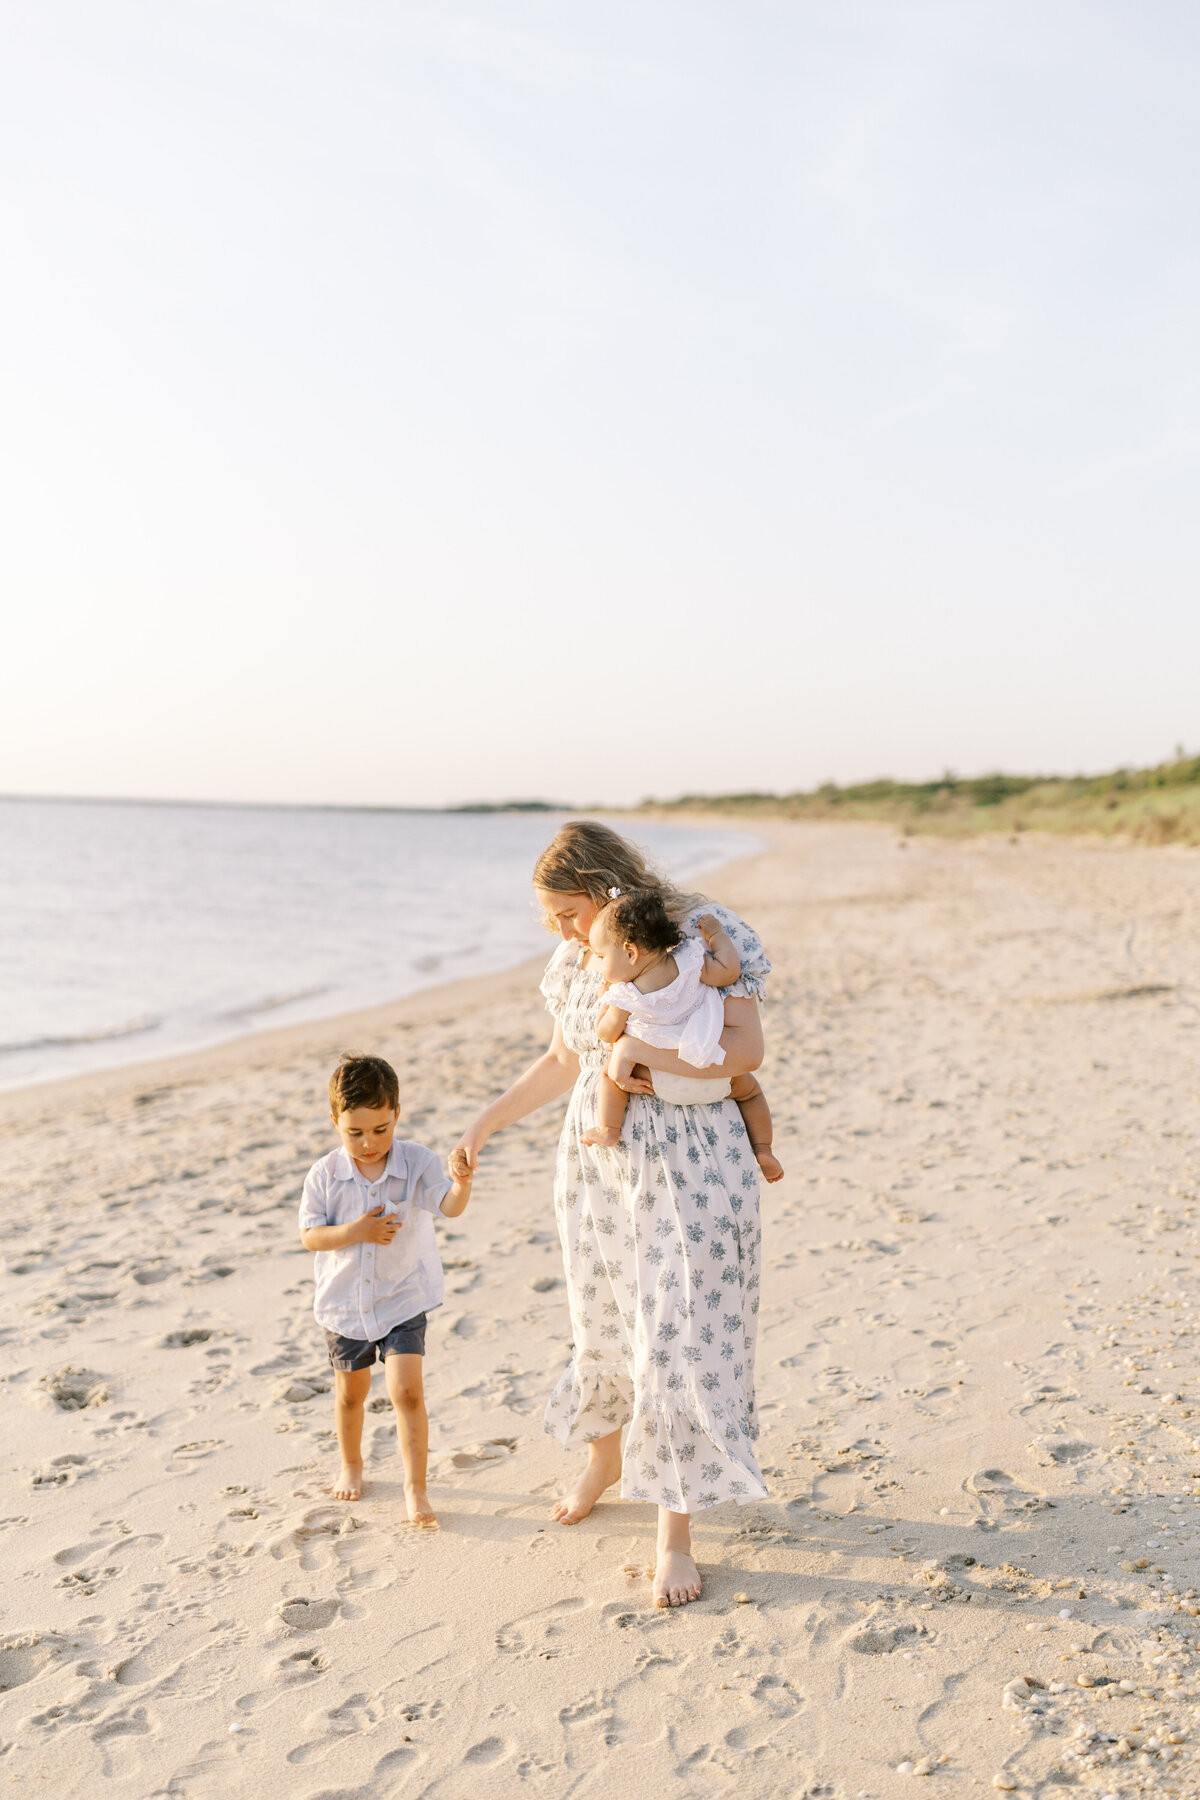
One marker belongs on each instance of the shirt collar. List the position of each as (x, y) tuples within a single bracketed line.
[(344, 1169)]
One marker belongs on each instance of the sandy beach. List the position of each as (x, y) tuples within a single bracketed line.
[(978, 1565)]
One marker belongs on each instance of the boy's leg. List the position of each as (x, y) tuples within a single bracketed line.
[(611, 1102), (351, 1387), (406, 1392), (756, 1116)]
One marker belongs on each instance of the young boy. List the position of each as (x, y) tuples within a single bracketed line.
[(368, 1213)]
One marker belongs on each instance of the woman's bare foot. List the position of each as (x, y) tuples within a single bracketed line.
[(603, 1468), (604, 1137), (419, 1510), (770, 1165), (348, 1485), (676, 1578)]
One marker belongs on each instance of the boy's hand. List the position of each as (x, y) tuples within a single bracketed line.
[(461, 1171), (376, 1227)]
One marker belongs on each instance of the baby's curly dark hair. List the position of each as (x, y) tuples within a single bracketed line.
[(640, 917)]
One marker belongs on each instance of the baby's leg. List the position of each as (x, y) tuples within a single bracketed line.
[(756, 1115), (406, 1392), (351, 1387), (611, 1102)]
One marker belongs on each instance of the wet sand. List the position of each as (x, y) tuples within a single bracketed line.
[(976, 1375)]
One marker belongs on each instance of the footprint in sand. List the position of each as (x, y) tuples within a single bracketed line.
[(294, 1390), (487, 1750), (59, 1471), (184, 1339), (1000, 1492), (301, 1665), (21, 1658), (71, 1389), (514, 1637), (307, 1615), (150, 1274), (126, 1724), (479, 1456), (314, 1536), (880, 1640)]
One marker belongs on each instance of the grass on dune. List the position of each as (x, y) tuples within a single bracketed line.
[(1160, 805)]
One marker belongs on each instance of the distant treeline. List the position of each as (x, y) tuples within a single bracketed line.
[(1159, 805), (511, 806)]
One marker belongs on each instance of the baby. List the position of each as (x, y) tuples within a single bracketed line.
[(662, 989), (368, 1213)]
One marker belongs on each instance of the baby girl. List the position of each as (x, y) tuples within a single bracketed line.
[(662, 989)]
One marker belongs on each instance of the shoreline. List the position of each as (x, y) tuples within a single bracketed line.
[(407, 1011)]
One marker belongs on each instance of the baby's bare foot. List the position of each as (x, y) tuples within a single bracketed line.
[(607, 1137), (770, 1165), (348, 1485), (419, 1510), (600, 1474), (676, 1579)]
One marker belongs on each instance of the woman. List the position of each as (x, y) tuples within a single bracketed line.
[(660, 1234)]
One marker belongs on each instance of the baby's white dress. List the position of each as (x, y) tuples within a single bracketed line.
[(685, 1016)]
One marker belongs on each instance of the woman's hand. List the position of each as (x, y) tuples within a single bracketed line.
[(471, 1143), (627, 1053)]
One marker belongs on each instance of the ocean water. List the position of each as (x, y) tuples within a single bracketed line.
[(131, 931)]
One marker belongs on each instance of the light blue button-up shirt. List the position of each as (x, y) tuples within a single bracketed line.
[(365, 1290)]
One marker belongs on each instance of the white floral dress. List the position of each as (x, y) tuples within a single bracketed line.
[(661, 1248)]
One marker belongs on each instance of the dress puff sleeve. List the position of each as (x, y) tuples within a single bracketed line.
[(556, 982), (752, 982)]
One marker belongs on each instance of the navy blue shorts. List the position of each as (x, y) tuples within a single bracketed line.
[(356, 1353)]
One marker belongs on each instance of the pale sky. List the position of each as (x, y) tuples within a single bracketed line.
[(408, 404)]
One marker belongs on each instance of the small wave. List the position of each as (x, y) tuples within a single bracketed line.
[(131, 1029), (273, 1002)]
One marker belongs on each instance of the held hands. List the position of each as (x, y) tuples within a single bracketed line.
[(468, 1147), (461, 1171), (378, 1227)]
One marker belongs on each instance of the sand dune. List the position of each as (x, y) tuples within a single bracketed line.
[(976, 1375)]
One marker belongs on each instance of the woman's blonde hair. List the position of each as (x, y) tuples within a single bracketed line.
[(585, 857)]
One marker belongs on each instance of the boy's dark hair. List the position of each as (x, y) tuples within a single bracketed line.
[(362, 1081), (640, 917)]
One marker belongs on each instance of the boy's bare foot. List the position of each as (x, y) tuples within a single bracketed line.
[(348, 1485), (676, 1578), (419, 1510), (603, 1468), (770, 1165), (606, 1137)]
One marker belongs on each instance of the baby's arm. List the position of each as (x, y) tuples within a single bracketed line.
[(722, 964), (463, 1174), (611, 1024)]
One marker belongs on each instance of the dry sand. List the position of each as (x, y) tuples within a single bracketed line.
[(976, 1376)]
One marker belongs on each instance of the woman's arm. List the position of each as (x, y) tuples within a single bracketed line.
[(544, 1080), (611, 1024), (741, 1040)]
